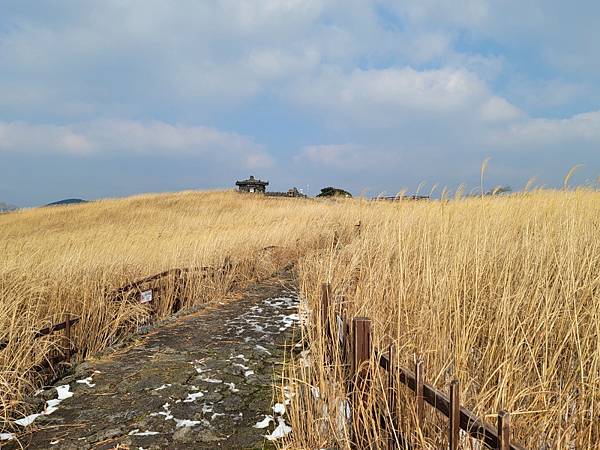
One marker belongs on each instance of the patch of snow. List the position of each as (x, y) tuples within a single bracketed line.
[(232, 387), (178, 422), (51, 406), (288, 321), (262, 349), (166, 412), (279, 408), (87, 381), (315, 391), (26, 421), (281, 431), (211, 380), (264, 423), (186, 423), (6, 436), (54, 442), (137, 432), (344, 414), (193, 397), (288, 395), (164, 386), (63, 392), (247, 373)]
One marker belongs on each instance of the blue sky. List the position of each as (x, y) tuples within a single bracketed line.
[(115, 97)]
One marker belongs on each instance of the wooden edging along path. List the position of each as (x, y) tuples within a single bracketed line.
[(356, 349)]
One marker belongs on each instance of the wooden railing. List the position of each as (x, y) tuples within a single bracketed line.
[(117, 295), (396, 198), (66, 325), (355, 350)]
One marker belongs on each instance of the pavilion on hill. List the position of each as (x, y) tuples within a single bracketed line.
[(252, 185)]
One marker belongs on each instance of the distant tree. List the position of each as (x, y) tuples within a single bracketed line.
[(499, 190), (334, 192)]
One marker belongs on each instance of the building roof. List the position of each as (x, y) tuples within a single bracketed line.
[(251, 181)]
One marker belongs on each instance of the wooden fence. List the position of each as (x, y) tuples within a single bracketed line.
[(69, 321), (356, 350), (397, 198), (67, 350)]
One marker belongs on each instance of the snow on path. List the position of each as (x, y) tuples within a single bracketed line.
[(203, 382)]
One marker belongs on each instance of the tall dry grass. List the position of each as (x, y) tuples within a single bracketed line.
[(68, 259), (502, 293)]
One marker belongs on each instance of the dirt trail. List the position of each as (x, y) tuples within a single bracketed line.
[(202, 381)]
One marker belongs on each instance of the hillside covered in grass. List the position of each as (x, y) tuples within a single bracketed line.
[(501, 292), (68, 259)]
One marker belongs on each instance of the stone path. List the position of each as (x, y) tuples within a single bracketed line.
[(201, 381)]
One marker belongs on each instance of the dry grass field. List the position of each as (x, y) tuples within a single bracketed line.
[(66, 259), (501, 292)]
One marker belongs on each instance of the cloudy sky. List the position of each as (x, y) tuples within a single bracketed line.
[(114, 97)]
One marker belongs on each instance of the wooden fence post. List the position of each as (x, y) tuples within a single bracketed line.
[(419, 381), (361, 334), (325, 324), (361, 348), (454, 416), (325, 304), (392, 398), (68, 336), (503, 430), (227, 265)]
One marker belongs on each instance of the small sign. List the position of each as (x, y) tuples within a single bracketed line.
[(146, 296)]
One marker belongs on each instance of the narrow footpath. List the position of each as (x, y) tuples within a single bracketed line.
[(203, 380)]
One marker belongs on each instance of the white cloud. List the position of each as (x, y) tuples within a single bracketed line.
[(506, 133), (352, 157), (497, 109), (456, 12), (542, 95), (26, 138), (341, 156), (134, 137), (401, 96), (435, 80), (82, 62), (580, 129)]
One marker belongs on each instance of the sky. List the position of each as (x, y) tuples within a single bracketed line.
[(111, 98)]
